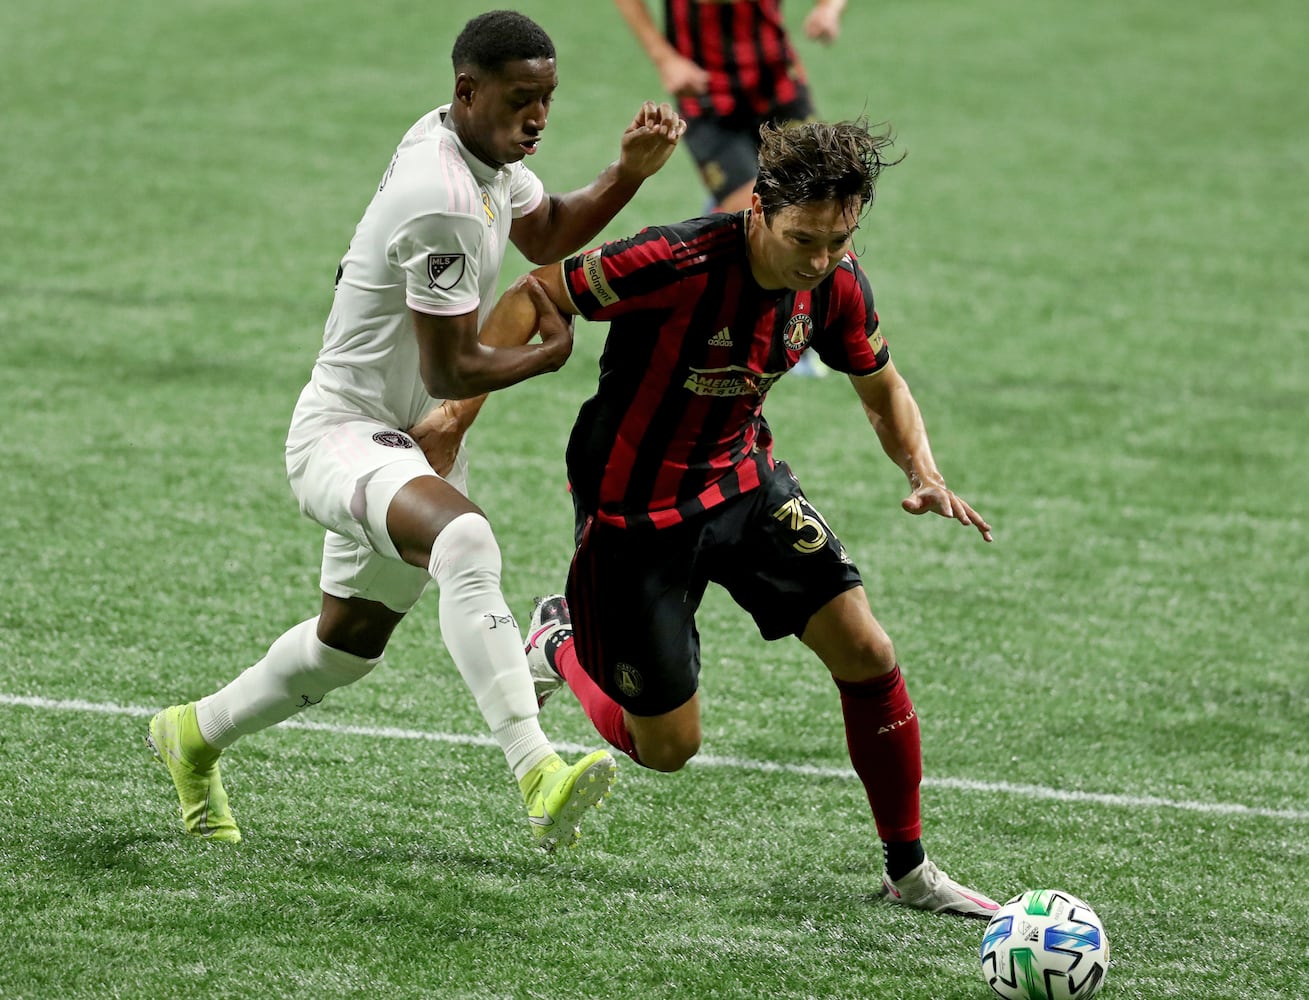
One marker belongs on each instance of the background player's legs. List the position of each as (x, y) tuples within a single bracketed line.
[(737, 200), (726, 153)]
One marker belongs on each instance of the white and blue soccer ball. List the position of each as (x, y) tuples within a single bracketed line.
[(1045, 944)]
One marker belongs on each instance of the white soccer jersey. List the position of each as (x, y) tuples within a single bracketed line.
[(432, 239)]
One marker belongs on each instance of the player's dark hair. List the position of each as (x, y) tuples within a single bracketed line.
[(495, 38), (820, 161)]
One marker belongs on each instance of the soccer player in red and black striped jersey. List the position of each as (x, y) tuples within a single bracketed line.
[(675, 484), (733, 68)]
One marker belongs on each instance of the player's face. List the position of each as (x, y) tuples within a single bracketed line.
[(503, 114), (802, 245)]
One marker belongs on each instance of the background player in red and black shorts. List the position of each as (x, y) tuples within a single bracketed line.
[(675, 483), (732, 66)]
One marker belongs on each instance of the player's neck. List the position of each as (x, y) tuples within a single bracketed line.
[(459, 124)]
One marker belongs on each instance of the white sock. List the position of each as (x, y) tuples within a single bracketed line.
[(295, 673), (484, 640)]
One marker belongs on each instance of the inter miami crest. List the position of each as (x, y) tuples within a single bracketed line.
[(393, 439), (444, 270)]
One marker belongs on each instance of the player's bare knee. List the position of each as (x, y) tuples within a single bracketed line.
[(356, 625), (880, 654), (867, 655), (668, 756), (667, 749)]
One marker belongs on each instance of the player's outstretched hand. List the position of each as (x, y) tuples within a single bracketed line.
[(823, 24), (938, 499), (555, 328), (681, 77), (650, 140)]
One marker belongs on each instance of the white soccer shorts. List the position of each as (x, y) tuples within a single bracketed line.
[(345, 481)]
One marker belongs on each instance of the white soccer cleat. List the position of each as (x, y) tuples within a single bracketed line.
[(550, 618), (928, 888)]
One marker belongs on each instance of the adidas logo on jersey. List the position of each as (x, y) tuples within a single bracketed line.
[(723, 338)]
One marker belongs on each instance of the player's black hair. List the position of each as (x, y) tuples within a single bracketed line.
[(495, 38), (819, 161)]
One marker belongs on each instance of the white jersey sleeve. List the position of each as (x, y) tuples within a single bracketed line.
[(526, 191), (444, 252), (440, 255)]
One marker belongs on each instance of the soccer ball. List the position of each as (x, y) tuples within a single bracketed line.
[(1045, 945)]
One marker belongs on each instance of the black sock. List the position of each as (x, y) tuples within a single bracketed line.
[(902, 857), (552, 644)]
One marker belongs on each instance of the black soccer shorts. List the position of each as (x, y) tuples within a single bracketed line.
[(726, 149), (634, 592)]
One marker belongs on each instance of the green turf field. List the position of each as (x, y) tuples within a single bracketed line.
[(1094, 270)]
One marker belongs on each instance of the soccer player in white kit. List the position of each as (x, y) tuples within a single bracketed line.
[(414, 292)]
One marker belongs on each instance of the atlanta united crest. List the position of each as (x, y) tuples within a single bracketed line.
[(799, 330), (628, 679)]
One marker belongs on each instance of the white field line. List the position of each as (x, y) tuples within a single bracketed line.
[(734, 763)]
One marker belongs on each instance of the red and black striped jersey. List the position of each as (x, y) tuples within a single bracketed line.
[(743, 46), (676, 425)]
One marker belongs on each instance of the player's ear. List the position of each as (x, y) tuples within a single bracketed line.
[(465, 85)]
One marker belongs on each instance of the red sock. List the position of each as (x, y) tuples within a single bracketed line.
[(605, 713), (881, 730)]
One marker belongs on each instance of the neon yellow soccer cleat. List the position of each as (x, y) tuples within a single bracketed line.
[(558, 796), (174, 738)]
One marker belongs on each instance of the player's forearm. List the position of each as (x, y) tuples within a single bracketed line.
[(898, 421), (644, 29), (512, 320), (487, 369), (510, 323), (458, 415), (577, 217), (504, 356)]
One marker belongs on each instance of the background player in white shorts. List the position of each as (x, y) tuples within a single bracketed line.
[(413, 292)]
